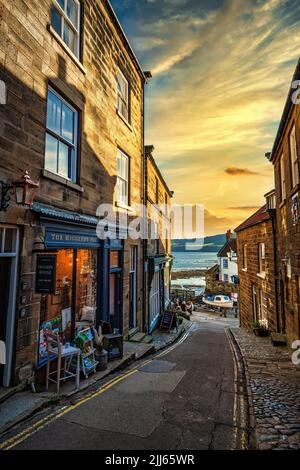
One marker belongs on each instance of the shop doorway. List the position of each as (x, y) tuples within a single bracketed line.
[(9, 243), (115, 301)]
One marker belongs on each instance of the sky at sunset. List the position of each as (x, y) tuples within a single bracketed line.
[(221, 73)]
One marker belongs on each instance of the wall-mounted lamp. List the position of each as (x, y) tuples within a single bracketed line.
[(23, 188)]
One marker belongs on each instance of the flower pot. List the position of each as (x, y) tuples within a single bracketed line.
[(260, 332)]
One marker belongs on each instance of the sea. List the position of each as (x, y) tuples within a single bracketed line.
[(189, 261)]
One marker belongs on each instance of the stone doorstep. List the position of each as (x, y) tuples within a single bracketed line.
[(37, 402)]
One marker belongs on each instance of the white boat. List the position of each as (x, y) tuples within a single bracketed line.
[(222, 301)]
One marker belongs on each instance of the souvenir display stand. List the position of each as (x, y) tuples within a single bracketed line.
[(84, 341)]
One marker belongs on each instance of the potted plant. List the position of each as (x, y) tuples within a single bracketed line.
[(259, 329)]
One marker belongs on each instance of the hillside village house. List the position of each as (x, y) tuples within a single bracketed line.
[(256, 269), (159, 257), (285, 159), (73, 119), (222, 278)]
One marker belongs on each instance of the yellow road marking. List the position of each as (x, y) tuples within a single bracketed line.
[(22, 436), (39, 425)]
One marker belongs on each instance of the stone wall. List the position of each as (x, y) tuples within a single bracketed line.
[(288, 235), (249, 278), (31, 58)]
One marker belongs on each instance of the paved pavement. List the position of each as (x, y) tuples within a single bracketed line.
[(275, 387), (186, 397)]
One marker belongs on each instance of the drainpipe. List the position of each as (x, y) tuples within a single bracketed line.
[(148, 76), (273, 218)]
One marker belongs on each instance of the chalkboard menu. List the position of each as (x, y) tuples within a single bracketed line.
[(167, 320), (45, 274)]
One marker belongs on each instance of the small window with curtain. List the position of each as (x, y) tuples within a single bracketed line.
[(245, 257), (123, 104), (65, 20), (123, 179), (294, 158), (61, 137)]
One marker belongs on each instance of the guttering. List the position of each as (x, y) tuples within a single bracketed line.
[(124, 38), (286, 111)]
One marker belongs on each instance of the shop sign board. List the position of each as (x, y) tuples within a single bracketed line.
[(58, 237), (45, 274)]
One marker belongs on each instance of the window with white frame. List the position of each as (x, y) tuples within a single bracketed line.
[(225, 263), (262, 258), (123, 178), (282, 179), (123, 95), (65, 20), (61, 137), (294, 158)]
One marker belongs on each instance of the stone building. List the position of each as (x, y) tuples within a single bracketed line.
[(256, 270), (159, 259), (73, 94), (285, 159)]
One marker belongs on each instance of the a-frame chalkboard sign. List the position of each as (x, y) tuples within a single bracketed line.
[(167, 320)]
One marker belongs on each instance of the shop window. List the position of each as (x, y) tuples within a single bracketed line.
[(61, 137), (65, 20), (57, 310), (8, 240), (115, 259)]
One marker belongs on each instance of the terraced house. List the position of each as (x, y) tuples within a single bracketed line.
[(285, 159), (72, 94)]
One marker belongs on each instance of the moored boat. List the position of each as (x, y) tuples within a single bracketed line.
[(222, 301)]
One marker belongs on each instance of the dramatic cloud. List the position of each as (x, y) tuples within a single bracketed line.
[(239, 171), (222, 70)]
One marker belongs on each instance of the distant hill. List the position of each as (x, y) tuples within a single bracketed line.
[(211, 244)]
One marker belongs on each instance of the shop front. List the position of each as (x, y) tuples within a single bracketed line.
[(68, 277), (156, 290), (78, 276)]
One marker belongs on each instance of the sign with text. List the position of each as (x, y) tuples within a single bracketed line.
[(45, 274)]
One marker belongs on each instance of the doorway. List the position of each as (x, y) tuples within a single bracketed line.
[(133, 287), (9, 246)]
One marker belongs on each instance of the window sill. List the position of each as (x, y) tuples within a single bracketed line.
[(61, 180), (66, 48), (124, 120), (261, 275), (120, 205)]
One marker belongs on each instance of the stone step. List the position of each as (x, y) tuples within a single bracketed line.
[(148, 339), (138, 337), (133, 332)]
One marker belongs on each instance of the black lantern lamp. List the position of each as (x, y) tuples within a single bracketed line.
[(24, 190)]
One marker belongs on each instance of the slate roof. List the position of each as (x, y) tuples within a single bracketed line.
[(257, 218), (229, 245)]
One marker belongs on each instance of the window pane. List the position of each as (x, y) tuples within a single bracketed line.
[(51, 153), (114, 259), (69, 38), (56, 20), (9, 240), (63, 160), (67, 130), (72, 12), (124, 167), (1, 235), (119, 164), (53, 113), (61, 3)]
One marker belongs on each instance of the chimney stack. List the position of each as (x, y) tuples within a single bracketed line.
[(229, 235)]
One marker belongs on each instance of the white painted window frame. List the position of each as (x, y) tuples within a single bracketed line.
[(75, 28)]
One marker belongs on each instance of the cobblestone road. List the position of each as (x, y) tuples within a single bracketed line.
[(275, 386)]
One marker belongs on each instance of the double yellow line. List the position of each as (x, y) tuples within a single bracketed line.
[(23, 435), (42, 423)]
